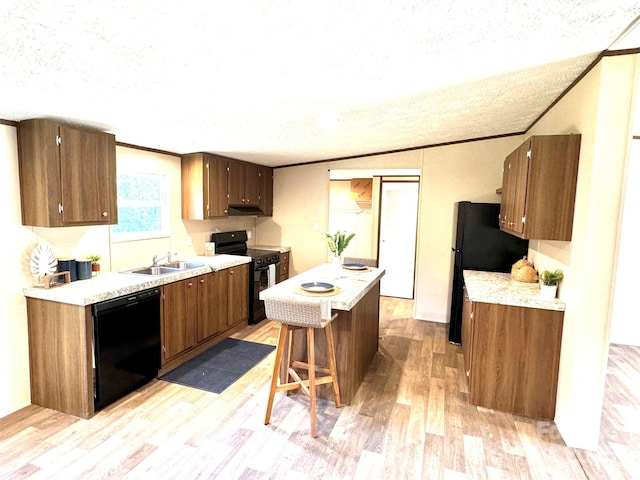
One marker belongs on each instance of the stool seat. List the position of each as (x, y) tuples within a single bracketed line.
[(308, 315)]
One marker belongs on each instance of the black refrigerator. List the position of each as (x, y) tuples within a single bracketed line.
[(479, 244)]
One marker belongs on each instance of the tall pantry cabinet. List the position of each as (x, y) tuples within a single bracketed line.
[(67, 175)]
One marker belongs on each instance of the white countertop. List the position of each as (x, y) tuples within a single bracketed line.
[(354, 285), (501, 288), (110, 285)]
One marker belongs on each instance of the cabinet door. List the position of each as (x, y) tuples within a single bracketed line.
[(87, 176), (251, 184), (207, 319), (265, 190), (467, 332), (217, 194), (508, 192), (520, 179), (514, 190), (238, 294), (213, 303), (179, 317), (236, 182), (243, 183)]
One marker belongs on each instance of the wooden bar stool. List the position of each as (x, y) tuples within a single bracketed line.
[(294, 315)]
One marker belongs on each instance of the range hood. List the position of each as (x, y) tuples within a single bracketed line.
[(238, 210)]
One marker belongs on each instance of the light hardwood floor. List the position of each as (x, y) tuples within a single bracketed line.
[(410, 419)]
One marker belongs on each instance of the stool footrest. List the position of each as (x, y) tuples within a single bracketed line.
[(305, 365), (294, 385)]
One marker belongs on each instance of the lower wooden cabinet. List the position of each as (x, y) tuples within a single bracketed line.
[(238, 294), (197, 309), (284, 266), (179, 314), (512, 356)]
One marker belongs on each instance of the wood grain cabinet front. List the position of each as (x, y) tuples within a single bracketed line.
[(198, 312), (179, 317), (204, 186), (539, 188), (243, 183), (512, 356), (238, 294), (284, 266), (67, 175), (265, 190)]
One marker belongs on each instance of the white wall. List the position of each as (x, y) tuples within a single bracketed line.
[(600, 108), (625, 328), (17, 244), (467, 171)]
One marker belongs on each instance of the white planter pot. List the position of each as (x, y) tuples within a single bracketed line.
[(548, 292), (337, 267)]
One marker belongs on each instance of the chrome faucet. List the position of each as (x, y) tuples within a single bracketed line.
[(156, 259)]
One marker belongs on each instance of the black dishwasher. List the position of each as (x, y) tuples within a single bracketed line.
[(126, 344)]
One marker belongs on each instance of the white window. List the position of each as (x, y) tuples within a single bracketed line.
[(143, 207)]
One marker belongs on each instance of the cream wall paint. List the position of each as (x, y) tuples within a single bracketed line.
[(600, 108), (17, 244), (625, 328), (467, 171)]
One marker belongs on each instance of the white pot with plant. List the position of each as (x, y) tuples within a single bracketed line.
[(337, 243), (549, 281)]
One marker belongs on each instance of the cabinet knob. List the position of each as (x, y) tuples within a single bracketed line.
[(202, 281), (190, 284), (105, 214), (230, 272)]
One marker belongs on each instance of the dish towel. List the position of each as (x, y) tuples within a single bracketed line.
[(272, 275)]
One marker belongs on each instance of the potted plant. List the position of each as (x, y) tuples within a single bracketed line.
[(337, 243), (549, 283), (95, 266)]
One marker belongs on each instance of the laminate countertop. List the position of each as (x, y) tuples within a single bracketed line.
[(501, 288), (353, 285), (116, 284)]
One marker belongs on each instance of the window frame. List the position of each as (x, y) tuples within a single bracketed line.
[(165, 209)]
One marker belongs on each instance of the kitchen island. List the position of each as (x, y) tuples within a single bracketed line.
[(355, 330)]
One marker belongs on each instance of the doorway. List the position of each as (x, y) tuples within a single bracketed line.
[(397, 237)]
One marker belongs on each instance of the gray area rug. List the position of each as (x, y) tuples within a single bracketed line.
[(217, 368)]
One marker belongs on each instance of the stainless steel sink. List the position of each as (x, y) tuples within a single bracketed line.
[(161, 270), (165, 268), (182, 265)]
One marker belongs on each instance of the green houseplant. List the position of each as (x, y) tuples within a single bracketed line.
[(552, 278), (549, 281), (95, 266), (339, 241)]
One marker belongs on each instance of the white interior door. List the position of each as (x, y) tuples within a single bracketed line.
[(397, 241)]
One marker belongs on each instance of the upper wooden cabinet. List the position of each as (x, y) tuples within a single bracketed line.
[(539, 188), (210, 183), (67, 175), (204, 186), (243, 183)]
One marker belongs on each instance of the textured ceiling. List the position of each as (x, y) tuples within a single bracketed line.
[(283, 82)]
